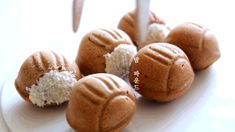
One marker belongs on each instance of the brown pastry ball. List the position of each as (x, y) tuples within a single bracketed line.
[(157, 29), (105, 50), (100, 103), (46, 78), (161, 72), (197, 42)]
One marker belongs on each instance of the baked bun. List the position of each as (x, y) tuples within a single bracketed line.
[(198, 42), (45, 78), (105, 50), (162, 72), (100, 103)]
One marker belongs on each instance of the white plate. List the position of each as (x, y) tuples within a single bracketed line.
[(195, 111)]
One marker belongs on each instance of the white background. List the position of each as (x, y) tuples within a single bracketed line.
[(27, 26)]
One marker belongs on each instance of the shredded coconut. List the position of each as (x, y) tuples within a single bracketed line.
[(156, 33), (118, 62), (52, 88)]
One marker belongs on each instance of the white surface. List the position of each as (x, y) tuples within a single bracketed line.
[(27, 26), (3, 125)]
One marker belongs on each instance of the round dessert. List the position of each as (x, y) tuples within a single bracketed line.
[(106, 50), (46, 79), (157, 29), (161, 72), (100, 103), (197, 42)]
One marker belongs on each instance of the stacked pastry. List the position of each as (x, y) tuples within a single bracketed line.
[(160, 68)]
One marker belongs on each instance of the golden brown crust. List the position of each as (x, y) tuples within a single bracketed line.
[(100, 103), (39, 63), (197, 42), (128, 24), (165, 72), (95, 45)]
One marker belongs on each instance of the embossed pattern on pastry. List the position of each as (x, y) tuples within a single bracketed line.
[(198, 42), (164, 72), (39, 69), (100, 103), (98, 43)]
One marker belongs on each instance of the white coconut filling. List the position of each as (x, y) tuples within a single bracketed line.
[(118, 62), (156, 33), (53, 88)]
